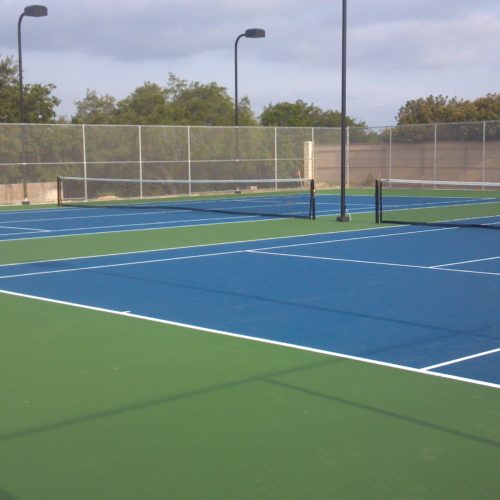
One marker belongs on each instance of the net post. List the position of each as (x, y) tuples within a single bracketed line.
[(377, 201), (59, 191), (312, 200)]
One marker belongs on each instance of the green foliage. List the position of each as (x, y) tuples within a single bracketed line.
[(178, 103), (9, 90), (441, 109), (96, 109), (39, 102), (147, 105), (205, 104), (301, 114), (489, 107), (457, 119)]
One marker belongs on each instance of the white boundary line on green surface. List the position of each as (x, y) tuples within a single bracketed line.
[(255, 339)]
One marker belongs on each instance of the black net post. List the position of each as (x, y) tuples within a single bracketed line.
[(59, 192), (377, 201), (312, 201)]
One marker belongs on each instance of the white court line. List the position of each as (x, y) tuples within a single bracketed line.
[(459, 360), (180, 224), (244, 242), (121, 264), (133, 214), (256, 339), (256, 250), (357, 238), (188, 247), (376, 263), (27, 229), (162, 225), (466, 262)]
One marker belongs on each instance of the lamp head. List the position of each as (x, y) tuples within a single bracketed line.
[(255, 33), (35, 11)]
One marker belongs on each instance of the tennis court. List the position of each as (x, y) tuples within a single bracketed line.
[(195, 354)]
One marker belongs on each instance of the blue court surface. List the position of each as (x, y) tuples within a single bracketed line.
[(423, 299)]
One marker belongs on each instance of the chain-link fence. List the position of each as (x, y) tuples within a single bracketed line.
[(32, 156), (468, 152)]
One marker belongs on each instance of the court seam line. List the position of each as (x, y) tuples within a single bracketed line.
[(240, 242), (255, 339), (356, 261), (459, 360)]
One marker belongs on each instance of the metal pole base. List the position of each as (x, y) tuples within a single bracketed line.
[(26, 201), (344, 218)]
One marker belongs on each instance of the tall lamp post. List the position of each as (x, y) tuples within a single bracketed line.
[(344, 216), (29, 11), (249, 33)]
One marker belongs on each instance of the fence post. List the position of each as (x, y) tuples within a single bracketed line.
[(348, 154), (275, 158), (140, 161), (390, 153), (189, 157), (313, 171), (484, 152), (84, 145), (435, 152)]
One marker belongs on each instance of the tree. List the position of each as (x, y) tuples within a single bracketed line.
[(39, 101), (95, 109), (9, 90), (147, 105), (488, 108), (301, 114), (442, 109), (205, 104)]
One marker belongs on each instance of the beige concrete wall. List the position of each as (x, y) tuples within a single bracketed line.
[(454, 161), (40, 192)]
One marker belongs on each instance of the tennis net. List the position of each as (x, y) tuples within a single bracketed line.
[(293, 198), (442, 203)]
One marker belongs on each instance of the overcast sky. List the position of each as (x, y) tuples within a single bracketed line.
[(397, 49)]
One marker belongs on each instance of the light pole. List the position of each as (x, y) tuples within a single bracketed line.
[(344, 216), (249, 33), (29, 11)]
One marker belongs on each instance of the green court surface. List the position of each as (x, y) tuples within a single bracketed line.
[(100, 406)]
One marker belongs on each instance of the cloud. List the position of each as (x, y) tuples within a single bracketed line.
[(396, 49)]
